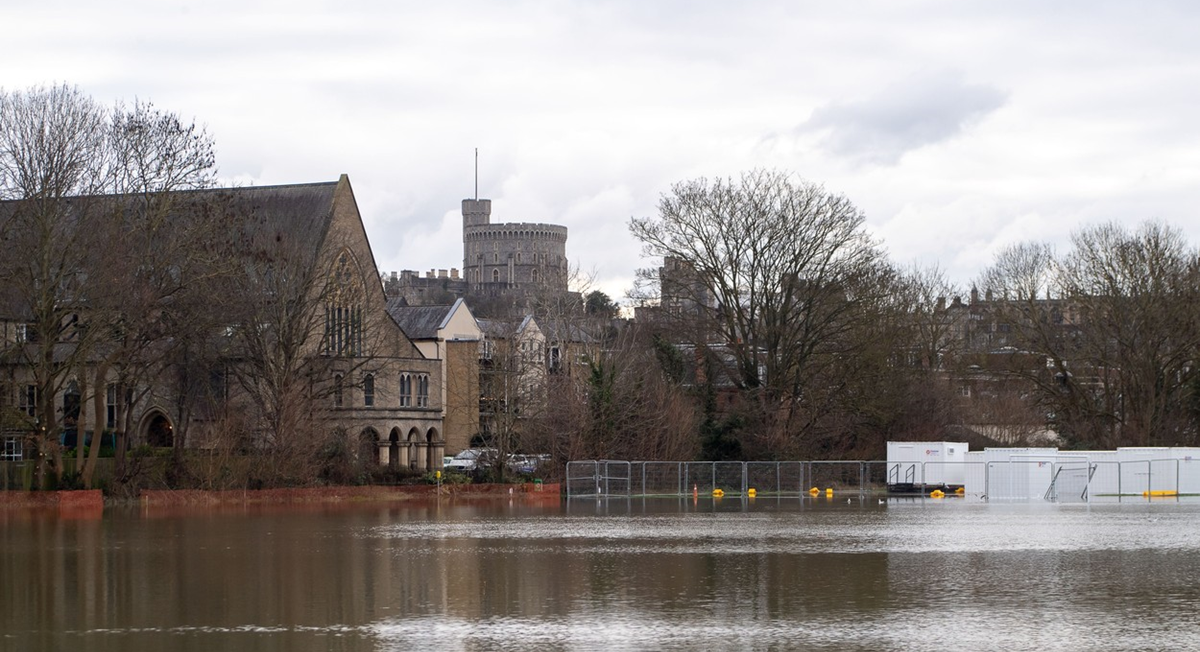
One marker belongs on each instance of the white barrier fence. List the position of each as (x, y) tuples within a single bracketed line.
[(1063, 477)]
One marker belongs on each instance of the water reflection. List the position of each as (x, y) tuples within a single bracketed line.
[(653, 574)]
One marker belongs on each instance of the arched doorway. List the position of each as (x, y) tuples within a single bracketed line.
[(159, 431), (394, 449)]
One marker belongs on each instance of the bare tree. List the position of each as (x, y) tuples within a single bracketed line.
[(784, 274), (54, 161), (1137, 294), (156, 254), (1115, 322)]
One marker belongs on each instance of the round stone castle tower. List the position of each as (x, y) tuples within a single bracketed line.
[(511, 258)]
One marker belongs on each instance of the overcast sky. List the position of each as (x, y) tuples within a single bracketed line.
[(958, 127)]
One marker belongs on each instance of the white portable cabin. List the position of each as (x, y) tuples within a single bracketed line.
[(1066, 476), (975, 473), (1019, 473), (1189, 469), (926, 463), (1104, 473), (1146, 468)]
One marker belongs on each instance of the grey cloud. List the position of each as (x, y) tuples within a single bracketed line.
[(902, 117)]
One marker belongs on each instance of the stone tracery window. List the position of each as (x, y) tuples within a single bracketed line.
[(423, 390), (405, 390), (343, 308)]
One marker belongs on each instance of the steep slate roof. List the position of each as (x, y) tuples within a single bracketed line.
[(418, 322), (274, 219), (293, 218)]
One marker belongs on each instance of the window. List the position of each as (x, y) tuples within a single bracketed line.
[(337, 391), (534, 276), (27, 400), (369, 390), (495, 276), (422, 390), (343, 330), (486, 350), (11, 449), (110, 405), (344, 313), (71, 405), (405, 390), (555, 358)]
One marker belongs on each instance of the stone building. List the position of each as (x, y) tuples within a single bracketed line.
[(436, 287), (452, 335), (507, 262), (511, 258), (298, 285)]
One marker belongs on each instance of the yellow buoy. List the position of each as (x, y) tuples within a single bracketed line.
[(717, 493), (960, 491), (752, 492), (814, 491), (829, 493), (1160, 494), (937, 493)]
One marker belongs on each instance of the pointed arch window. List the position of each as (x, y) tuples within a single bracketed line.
[(337, 391), (343, 308), (423, 390), (405, 390)]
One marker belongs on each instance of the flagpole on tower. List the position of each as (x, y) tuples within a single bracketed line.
[(476, 173)]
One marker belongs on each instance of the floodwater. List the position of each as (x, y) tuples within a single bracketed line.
[(661, 574)]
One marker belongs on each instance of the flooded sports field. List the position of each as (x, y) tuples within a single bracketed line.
[(626, 574)]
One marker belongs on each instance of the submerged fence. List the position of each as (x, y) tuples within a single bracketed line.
[(1060, 478), (638, 478)]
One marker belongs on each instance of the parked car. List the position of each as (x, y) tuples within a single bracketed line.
[(526, 463), (471, 459)]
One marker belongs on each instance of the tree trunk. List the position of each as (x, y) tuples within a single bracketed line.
[(98, 397)]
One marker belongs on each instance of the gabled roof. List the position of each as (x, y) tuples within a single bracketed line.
[(499, 329), (419, 322)]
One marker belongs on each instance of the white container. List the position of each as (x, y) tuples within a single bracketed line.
[(975, 467), (926, 463), (1146, 468), (1019, 473), (1189, 469), (1106, 473)]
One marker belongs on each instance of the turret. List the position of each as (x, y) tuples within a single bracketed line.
[(476, 212)]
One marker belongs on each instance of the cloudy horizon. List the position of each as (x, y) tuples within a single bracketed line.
[(958, 128)]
